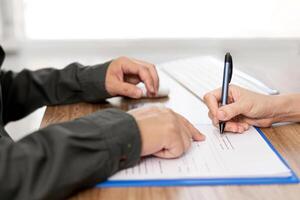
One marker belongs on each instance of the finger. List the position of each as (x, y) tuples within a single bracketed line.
[(155, 77), (244, 123), (246, 126), (143, 73), (153, 72), (211, 100), (236, 127), (230, 111), (231, 127), (186, 137), (133, 79), (195, 133), (129, 90), (215, 121), (176, 149)]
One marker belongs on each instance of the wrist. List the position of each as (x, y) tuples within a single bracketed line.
[(92, 81), (286, 108)]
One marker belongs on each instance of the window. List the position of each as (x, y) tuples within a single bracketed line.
[(94, 19), (11, 23)]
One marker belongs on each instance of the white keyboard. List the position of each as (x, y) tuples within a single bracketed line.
[(202, 74)]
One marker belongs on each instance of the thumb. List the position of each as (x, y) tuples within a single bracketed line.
[(229, 111), (129, 90)]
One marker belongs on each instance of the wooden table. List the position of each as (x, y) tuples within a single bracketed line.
[(286, 139)]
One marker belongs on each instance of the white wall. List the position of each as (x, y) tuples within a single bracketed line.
[(94, 19)]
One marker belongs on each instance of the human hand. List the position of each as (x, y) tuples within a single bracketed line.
[(245, 108), (124, 73), (164, 133)]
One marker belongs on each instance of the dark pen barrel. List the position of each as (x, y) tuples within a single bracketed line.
[(227, 74), (225, 83)]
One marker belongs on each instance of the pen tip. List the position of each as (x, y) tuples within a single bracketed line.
[(221, 126)]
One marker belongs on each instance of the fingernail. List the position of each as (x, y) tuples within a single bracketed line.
[(221, 115), (199, 137)]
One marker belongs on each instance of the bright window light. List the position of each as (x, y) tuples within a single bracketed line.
[(118, 19)]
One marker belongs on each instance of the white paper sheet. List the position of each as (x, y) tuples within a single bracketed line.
[(219, 156)]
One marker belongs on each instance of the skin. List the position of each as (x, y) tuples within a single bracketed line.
[(123, 74), (248, 108), (164, 133)]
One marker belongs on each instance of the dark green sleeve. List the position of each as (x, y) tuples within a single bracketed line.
[(61, 159), (27, 90)]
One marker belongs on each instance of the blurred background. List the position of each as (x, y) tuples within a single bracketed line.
[(131, 19), (43, 33)]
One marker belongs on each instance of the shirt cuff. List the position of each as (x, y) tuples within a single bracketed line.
[(92, 79), (122, 136)]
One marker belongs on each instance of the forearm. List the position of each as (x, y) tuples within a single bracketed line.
[(28, 90), (54, 162), (286, 108)]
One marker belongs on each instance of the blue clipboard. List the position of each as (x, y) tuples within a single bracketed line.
[(293, 179)]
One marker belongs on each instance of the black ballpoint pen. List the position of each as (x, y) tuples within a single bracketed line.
[(227, 74)]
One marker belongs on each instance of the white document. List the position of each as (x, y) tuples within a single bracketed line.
[(219, 156)]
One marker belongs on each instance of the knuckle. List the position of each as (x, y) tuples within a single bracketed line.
[(206, 97), (122, 59), (172, 128), (145, 70)]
